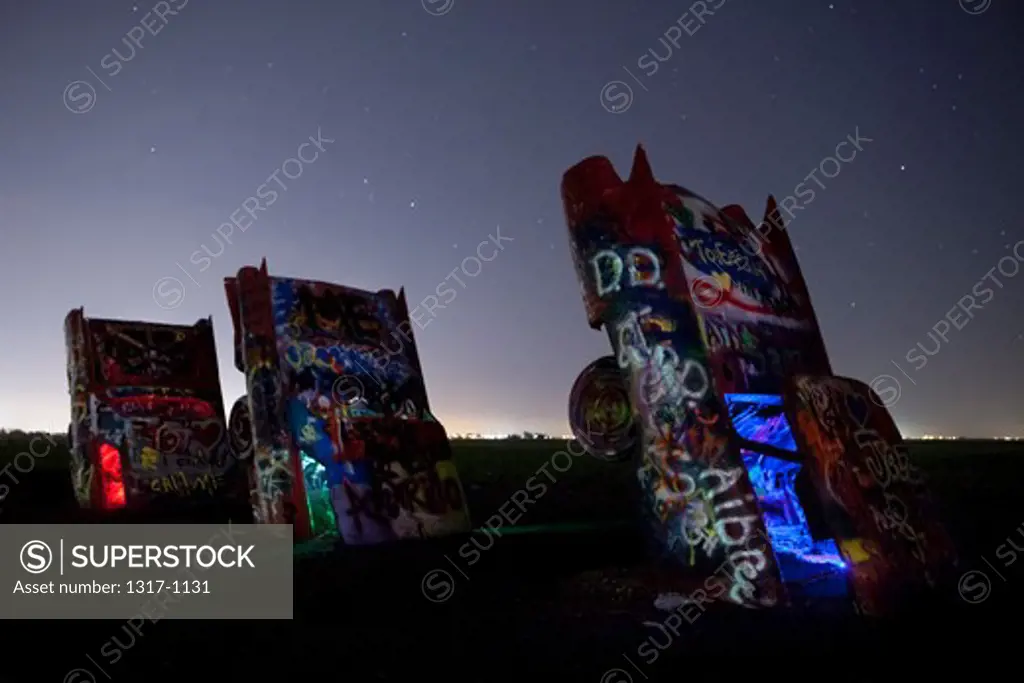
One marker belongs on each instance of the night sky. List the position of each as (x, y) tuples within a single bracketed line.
[(443, 120)]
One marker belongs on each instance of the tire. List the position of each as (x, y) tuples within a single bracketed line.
[(240, 430), (600, 414)]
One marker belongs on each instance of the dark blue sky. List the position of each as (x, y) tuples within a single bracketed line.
[(447, 126)]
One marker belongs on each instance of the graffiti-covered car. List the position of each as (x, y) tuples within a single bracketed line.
[(147, 417), (344, 443), (756, 465)]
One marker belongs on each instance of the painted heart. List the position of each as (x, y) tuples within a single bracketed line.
[(208, 432)]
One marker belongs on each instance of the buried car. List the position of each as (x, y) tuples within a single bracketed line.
[(343, 440), (147, 417), (721, 392)]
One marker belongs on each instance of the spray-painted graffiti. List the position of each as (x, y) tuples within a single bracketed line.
[(721, 256), (183, 485), (337, 312), (272, 462), (892, 538), (376, 388), (703, 314), (711, 244), (757, 323), (387, 494), (704, 507), (640, 264), (348, 438), (697, 498), (82, 466), (751, 357), (134, 354), (147, 419)]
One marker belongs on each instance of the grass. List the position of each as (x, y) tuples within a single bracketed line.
[(490, 471), (964, 475), (564, 606)]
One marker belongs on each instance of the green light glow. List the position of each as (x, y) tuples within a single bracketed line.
[(318, 498)]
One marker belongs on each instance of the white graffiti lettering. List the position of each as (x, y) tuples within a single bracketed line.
[(608, 268)]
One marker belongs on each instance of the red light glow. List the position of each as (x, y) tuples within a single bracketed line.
[(111, 479)]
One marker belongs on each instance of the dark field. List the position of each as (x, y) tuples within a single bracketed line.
[(564, 602)]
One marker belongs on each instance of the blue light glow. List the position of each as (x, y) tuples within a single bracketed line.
[(774, 481), (760, 418)]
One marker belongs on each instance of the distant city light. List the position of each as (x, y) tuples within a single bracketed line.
[(477, 436), (935, 437)]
